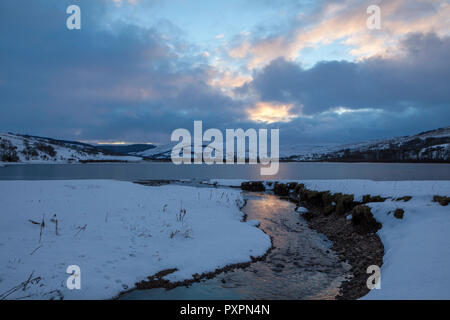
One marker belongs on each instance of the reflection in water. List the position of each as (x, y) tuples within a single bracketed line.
[(300, 266)]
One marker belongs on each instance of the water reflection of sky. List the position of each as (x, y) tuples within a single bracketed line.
[(300, 266)]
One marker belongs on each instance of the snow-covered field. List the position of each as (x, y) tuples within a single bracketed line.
[(417, 248), (118, 233)]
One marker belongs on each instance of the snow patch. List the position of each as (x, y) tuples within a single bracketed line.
[(302, 210)]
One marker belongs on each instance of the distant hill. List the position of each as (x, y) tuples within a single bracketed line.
[(126, 149), (430, 146), (34, 149)]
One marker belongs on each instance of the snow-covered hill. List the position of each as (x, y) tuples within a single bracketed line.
[(164, 152), (430, 146), (161, 152), (426, 146), (28, 149)]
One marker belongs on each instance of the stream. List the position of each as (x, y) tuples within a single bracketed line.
[(301, 264)]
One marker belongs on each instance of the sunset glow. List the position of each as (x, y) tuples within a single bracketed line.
[(269, 113)]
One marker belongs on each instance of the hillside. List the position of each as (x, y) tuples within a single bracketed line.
[(31, 149), (430, 146), (125, 149)]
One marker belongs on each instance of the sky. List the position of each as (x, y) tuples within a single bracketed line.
[(139, 69)]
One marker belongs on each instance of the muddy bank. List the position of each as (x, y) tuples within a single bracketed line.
[(347, 223)]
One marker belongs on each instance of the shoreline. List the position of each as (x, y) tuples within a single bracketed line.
[(350, 243), (372, 221), (270, 260), (359, 248), (156, 280)]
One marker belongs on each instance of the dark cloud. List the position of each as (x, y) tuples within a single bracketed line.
[(419, 78), (101, 82)]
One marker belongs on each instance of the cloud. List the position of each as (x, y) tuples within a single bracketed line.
[(120, 2), (271, 112), (418, 78), (117, 82), (345, 22)]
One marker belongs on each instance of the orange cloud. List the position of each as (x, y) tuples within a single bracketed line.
[(271, 112), (229, 80)]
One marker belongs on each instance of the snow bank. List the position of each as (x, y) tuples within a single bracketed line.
[(422, 189), (417, 248), (118, 233)]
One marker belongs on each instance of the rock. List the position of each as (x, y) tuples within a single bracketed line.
[(344, 202), (363, 219), (256, 186), (398, 213), (444, 201), (318, 199), (328, 210), (368, 198), (327, 198), (280, 189), (292, 185), (404, 199), (299, 189), (308, 215)]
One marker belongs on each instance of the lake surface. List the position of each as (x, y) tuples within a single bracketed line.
[(301, 264), (169, 171)]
